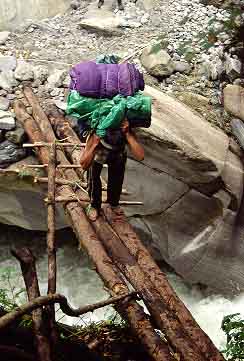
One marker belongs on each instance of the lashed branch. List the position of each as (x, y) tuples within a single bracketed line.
[(64, 306)]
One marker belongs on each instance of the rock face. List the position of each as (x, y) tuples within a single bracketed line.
[(191, 185), (157, 61), (13, 13), (234, 100)]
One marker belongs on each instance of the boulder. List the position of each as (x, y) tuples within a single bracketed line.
[(157, 61), (4, 103), (7, 121), (56, 79), (24, 71), (101, 21), (40, 73), (16, 136), (232, 68), (234, 100), (4, 37), (182, 67), (10, 153), (7, 80), (14, 13), (7, 63)]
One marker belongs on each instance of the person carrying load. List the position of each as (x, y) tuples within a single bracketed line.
[(106, 99)]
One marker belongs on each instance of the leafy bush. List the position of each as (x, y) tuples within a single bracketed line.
[(233, 326)]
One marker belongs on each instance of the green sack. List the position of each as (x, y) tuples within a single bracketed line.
[(101, 114)]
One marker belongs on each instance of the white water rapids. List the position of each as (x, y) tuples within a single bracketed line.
[(81, 285)]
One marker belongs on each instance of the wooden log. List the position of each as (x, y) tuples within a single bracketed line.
[(61, 166), (51, 246), (27, 263), (83, 202), (88, 239), (51, 299), (130, 239), (64, 130), (58, 144), (166, 320), (67, 182)]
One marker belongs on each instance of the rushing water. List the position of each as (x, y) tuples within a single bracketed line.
[(81, 285)]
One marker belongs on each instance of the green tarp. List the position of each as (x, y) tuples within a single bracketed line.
[(101, 114)]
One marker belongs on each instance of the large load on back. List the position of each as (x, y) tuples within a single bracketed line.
[(102, 95)]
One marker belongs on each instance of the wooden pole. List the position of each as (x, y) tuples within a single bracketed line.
[(51, 246), (132, 311), (130, 239), (27, 263), (51, 299)]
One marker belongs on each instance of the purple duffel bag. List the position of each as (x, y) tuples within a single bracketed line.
[(106, 80)]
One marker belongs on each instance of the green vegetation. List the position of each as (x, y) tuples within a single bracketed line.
[(233, 326), (10, 296)]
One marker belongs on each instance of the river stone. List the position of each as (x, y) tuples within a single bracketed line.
[(7, 80), (157, 61), (16, 136), (4, 103), (7, 63), (182, 67), (4, 36), (40, 74), (7, 121), (14, 13), (10, 153), (233, 68), (24, 71), (56, 79), (101, 21), (234, 100)]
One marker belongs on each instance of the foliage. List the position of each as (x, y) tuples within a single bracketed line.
[(10, 295), (233, 326)]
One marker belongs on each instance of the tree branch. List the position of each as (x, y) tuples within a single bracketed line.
[(64, 305)]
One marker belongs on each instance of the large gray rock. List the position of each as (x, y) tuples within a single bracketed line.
[(157, 61), (55, 80), (234, 100), (14, 13), (40, 73), (4, 36), (4, 103), (232, 68), (10, 153), (7, 80), (7, 121), (7, 63), (24, 71)]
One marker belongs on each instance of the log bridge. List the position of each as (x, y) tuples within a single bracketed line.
[(113, 246)]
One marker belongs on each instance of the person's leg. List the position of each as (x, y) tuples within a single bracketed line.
[(116, 171), (95, 188)]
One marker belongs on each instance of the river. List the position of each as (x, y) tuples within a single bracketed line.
[(81, 285)]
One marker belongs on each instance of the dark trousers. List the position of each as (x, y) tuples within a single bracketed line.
[(116, 170)]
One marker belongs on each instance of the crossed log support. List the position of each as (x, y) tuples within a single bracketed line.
[(115, 248)]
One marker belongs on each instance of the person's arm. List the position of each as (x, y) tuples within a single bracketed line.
[(89, 151), (135, 147)]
